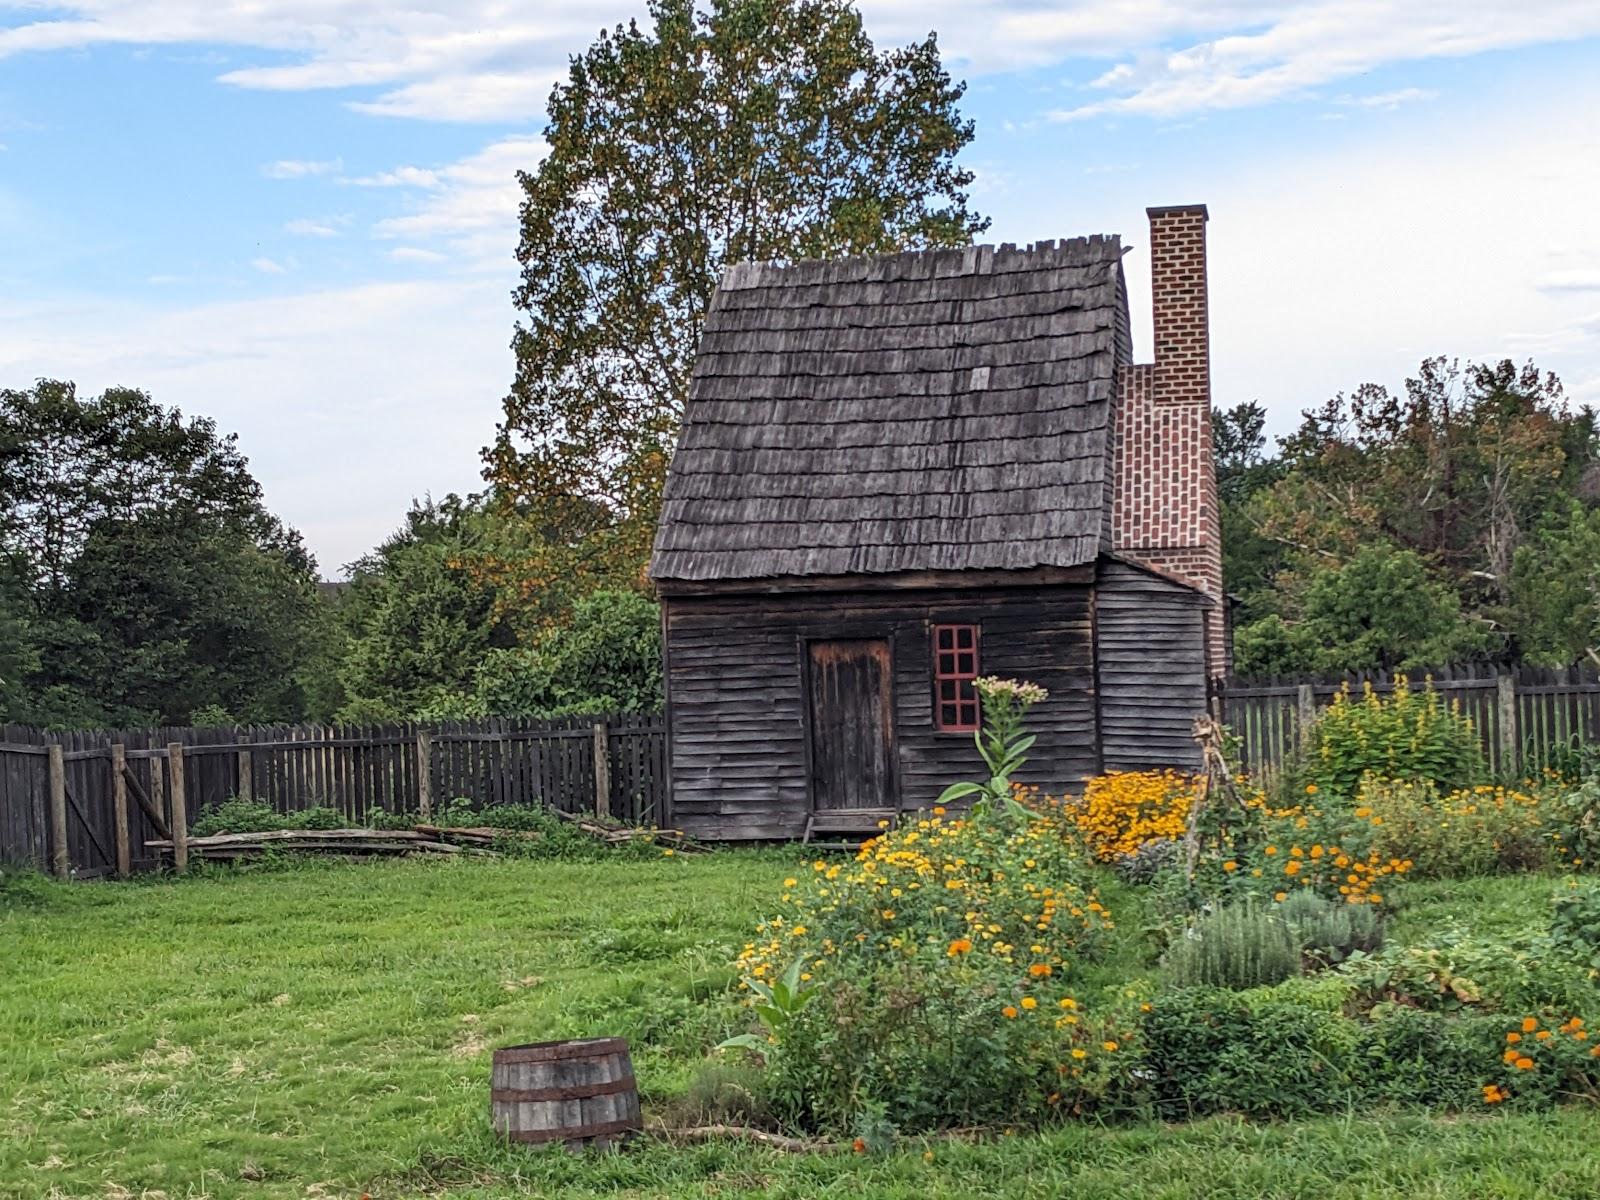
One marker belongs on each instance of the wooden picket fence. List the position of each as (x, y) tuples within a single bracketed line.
[(1527, 717), (84, 804)]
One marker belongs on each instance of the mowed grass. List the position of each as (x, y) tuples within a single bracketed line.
[(325, 1031)]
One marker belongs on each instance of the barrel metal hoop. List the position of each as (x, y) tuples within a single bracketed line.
[(576, 1092), (577, 1133), (562, 1051)]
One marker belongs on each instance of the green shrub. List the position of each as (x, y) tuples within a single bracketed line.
[(1573, 815), (1460, 834), (254, 816), (1328, 932), (1575, 924), (1407, 734), (1242, 945), (1210, 1051), (236, 816), (726, 1093), (1411, 1056)]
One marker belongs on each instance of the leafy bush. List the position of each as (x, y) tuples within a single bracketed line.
[(1544, 1062), (1407, 734), (254, 816), (1575, 925), (940, 961), (1330, 932), (1269, 852), (1481, 830), (1123, 811), (1411, 1056), (1210, 1051), (1573, 814), (1236, 946)]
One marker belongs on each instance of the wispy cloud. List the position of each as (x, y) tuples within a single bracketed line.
[(325, 227), (416, 254), (399, 177), (268, 266), (468, 208), (1388, 100), (1289, 50), (1578, 280), (495, 60), (295, 168)]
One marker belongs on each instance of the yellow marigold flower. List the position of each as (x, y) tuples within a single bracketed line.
[(791, 882), (1280, 897), (1292, 867), (1029, 1002), (1079, 1052), (888, 914), (1230, 865), (1110, 1047), (1270, 850)]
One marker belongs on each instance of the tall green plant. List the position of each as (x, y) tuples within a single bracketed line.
[(1001, 743), (1408, 735)]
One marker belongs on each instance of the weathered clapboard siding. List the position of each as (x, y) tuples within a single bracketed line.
[(1151, 650), (736, 698)]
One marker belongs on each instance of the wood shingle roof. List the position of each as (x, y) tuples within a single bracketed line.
[(936, 411)]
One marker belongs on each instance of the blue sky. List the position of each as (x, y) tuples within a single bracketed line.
[(298, 216)]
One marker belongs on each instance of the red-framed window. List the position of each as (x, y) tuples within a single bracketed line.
[(955, 666)]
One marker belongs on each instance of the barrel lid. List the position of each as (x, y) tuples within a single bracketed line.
[(564, 1049)]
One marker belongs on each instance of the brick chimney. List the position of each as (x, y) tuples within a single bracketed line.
[(1164, 503)]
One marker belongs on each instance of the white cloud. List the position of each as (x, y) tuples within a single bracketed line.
[(399, 177), (325, 227), (416, 254), (268, 266), (487, 60), (470, 206), (293, 168), (1389, 100), (1571, 281), (348, 402), (1292, 48)]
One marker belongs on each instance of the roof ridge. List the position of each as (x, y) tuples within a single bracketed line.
[(935, 262)]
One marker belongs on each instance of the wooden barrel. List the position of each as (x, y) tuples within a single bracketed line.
[(581, 1092)]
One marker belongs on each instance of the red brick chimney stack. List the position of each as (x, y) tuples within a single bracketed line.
[(1164, 506)]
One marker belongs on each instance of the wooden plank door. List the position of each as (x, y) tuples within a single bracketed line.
[(852, 736)]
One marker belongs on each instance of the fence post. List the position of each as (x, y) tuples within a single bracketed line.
[(1506, 689), (424, 774), (602, 770), (119, 807), (1305, 713), (180, 807), (247, 775), (60, 855)]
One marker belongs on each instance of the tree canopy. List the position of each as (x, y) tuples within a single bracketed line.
[(721, 132), (144, 578), (1453, 520)]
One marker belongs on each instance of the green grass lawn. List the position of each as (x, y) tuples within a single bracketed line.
[(326, 1031)]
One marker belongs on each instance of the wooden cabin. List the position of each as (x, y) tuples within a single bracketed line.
[(897, 474)]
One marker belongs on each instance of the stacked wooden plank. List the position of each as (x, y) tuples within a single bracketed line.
[(422, 839), (229, 847)]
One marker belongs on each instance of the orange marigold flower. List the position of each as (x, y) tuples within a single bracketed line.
[(1529, 1024), (1008, 1012), (1524, 1064), (1513, 1037), (1039, 970)]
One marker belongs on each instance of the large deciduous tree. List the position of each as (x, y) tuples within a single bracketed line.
[(150, 580), (766, 130)]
